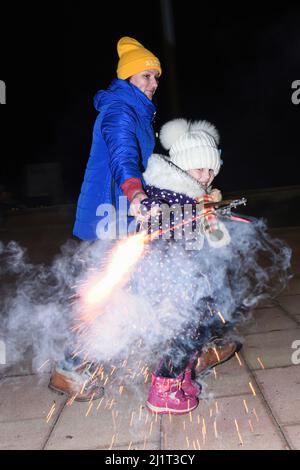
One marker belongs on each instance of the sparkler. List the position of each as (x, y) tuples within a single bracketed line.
[(99, 288)]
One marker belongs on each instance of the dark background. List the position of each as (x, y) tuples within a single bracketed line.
[(233, 66)]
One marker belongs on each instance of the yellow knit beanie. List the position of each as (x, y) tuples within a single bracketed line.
[(134, 58)]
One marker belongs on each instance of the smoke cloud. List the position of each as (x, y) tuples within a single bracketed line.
[(40, 303)]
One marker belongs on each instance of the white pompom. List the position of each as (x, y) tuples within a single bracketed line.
[(171, 131), (197, 126)]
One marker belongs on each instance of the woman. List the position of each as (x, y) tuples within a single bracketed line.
[(123, 140)]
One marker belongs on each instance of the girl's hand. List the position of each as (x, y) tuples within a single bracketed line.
[(135, 205), (215, 195)]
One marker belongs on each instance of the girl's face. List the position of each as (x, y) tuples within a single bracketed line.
[(204, 176), (146, 81)]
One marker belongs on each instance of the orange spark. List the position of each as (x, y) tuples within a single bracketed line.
[(150, 432), (238, 358), (252, 389), (215, 429), (246, 407), (83, 387), (221, 316), (105, 381), (112, 442), (99, 288), (250, 425), (44, 363), (216, 353), (98, 406), (260, 362), (71, 400), (238, 431), (89, 408), (131, 421), (254, 411), (52, 409)]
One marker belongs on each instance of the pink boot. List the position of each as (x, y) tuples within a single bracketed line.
[(166, 396), (189, 386)]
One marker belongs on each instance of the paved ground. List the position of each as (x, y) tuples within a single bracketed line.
[(251, 404)]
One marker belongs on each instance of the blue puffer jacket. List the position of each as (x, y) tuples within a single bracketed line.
[(123, 140)]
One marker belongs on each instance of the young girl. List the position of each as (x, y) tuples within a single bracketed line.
[(190, 264)]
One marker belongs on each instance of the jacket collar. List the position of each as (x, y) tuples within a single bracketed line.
[(121, 90), (163, 174)]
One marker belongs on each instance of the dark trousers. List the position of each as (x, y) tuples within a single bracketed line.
[(190, 341)]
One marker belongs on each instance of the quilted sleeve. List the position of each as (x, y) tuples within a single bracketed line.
[(119, 132)]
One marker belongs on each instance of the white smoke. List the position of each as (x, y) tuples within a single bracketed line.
[(39, 304)]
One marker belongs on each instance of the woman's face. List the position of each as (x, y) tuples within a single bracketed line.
[(146, 81), (204, 176)]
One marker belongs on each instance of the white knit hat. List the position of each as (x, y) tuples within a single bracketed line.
[(192, 144)]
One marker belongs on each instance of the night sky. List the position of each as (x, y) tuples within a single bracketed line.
[(233, 66)]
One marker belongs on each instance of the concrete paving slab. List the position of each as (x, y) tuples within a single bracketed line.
[(293, 288), (281, 387), (268, 319), (107, 425), (273, 348), (22, 367), (228, 426), (293, 435), (27, 397), (227, 379), (23, 435), (291, 304), (143, 445)]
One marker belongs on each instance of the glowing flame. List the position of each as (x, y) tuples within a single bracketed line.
[(99, 288)]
